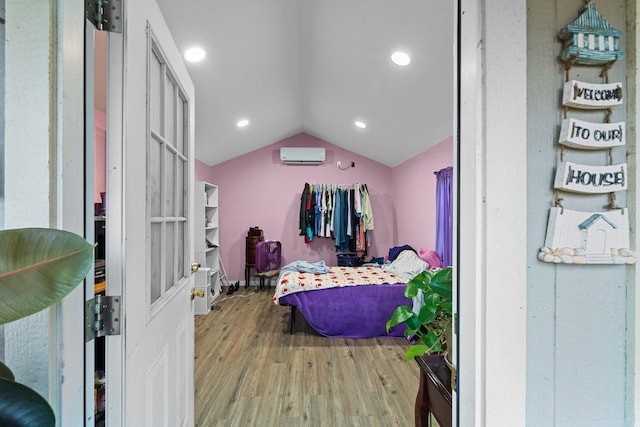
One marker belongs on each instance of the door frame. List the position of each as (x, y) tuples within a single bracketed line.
[(483, 367), (115, 344), (67, 319), (492, 62)]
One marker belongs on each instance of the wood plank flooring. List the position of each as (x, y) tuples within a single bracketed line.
[(249, 371)]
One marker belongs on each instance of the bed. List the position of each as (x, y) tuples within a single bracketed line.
[(346, 302), (349, 302)]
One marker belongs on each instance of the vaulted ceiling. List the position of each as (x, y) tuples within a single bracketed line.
[(317, 66)]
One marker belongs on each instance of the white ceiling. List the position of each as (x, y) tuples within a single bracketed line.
[(316, 66)]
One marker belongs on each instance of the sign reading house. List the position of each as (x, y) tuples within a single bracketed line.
[(592, 136), (591, 179), (589, 96)]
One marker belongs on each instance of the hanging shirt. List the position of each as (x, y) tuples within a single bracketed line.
[(323, 211), (348, 213), (367, 212), (317, 210)]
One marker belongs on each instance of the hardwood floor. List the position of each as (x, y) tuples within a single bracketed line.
[(249, 371)]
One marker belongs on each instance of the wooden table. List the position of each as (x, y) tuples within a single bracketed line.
[(434, 394)]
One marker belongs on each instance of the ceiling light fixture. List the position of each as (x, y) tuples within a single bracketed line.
[(360, 124), (242, 123), (194, 54), (401, 58)]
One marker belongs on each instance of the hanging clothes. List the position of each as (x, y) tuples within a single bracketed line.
[(307, 213), (341, 212)]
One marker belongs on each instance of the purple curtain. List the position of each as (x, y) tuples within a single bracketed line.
[(444, 215)]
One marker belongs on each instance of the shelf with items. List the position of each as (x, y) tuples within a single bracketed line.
[(206, 235), (202, 281), (206, 245)]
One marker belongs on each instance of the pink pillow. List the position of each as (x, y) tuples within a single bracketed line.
[(431, 257)]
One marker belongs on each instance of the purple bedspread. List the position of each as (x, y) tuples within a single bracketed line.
[(351, 311)]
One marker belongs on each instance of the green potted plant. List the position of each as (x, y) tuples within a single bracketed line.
[(431, 326), (38, 267)]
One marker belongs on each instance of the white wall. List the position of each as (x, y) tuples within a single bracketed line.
[(27, 167), (44, 140)]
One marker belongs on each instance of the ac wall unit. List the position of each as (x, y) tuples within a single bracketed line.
[(302, 155)]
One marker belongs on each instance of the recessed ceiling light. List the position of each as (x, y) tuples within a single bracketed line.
[(194, 54), (360, 124), (242, 123), (401, 58)]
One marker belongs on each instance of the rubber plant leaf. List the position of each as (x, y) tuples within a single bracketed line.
[(21, 406), (39, 267)]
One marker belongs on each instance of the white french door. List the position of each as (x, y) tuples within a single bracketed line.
[(150, 128)]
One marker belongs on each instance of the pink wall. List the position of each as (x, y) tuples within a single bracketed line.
[(202, 171), (258, 190), (100, 159), (414, 195)]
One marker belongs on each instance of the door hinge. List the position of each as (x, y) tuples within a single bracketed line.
[(105, 15), (102, 316)]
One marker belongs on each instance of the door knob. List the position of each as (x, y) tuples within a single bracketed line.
[(197, 293), (195, 267)]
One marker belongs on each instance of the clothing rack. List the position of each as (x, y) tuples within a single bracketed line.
[(339, 211)]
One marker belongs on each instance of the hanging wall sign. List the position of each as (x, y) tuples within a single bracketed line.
[(575, 237), (591, 136), (591, 179), (591, 96)]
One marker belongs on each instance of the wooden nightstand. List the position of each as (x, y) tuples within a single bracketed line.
[(434, 394)]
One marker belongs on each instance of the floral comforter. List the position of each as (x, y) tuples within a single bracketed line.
[(294, 281)]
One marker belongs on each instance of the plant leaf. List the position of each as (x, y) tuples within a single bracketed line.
[(412, 323), (415, 350), (441, 283), (400, 314), (411, 289), (427, 314), (432, 341), (39, 267), (21, 406)]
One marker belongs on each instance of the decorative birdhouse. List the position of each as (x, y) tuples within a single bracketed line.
[(590, 39)]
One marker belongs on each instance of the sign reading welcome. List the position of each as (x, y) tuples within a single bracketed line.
[(584, 95)]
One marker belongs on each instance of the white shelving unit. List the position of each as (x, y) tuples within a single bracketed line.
[(207, 242)]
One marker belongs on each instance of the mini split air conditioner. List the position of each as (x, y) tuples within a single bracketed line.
[(302, 155)]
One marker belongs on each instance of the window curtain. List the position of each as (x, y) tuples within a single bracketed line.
[(444, 215)]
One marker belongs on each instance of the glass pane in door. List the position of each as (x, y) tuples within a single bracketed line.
[(155, 177), (155, 94), (155, 254), (167, 180), (170, 253), (170, 177), (170, 109)]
